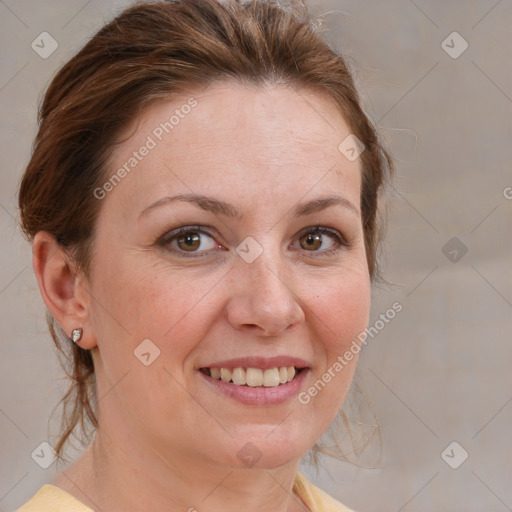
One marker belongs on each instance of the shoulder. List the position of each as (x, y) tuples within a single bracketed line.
[(316, 499), (50, 498)]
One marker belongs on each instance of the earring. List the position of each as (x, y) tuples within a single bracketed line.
[(76, 335)]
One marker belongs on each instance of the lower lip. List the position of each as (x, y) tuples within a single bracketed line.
[(260, 395)]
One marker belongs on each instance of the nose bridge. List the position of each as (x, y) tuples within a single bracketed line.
[(263, 296), (268, 275)]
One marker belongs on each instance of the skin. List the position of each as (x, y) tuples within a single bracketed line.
[(166, 440)]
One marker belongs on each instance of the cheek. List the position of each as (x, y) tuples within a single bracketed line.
[(156, 302), (340, 314), (164, 304), (173, 309), (342, 309)]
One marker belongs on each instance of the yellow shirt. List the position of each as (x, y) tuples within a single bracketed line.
[(50, 498)]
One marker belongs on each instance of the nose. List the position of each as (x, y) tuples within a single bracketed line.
[(262, 299)]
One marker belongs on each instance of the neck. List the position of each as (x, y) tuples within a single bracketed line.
[(115, 474)]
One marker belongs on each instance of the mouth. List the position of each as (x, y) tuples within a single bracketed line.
[(254, 377), (256, 380)]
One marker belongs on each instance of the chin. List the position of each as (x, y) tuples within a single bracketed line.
[(263, 451)]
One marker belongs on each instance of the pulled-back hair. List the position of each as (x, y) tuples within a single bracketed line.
[(150, 52)]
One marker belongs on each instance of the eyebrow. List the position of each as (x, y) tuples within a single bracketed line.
[(228, 210)]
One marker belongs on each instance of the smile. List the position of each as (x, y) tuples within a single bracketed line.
[(254, 377)]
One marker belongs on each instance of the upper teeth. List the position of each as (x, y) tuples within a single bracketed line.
[(254, 376)]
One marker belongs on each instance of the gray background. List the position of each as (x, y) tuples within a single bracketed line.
[(440, 371)]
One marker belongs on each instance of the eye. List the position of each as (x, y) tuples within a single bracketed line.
[(195, 241), (192, 240), (321, 240)]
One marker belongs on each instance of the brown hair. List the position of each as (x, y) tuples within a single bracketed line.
[(153, 51)]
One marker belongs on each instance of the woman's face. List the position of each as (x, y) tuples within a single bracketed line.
[(261, 264)]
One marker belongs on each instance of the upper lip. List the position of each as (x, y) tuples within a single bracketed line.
[(259, 362)]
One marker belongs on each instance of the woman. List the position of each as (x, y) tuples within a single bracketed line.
[(202, 203)]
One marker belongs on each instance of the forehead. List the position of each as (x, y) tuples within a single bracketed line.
[(231, 136)]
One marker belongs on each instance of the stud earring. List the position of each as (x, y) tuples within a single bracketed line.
[(76, 335)]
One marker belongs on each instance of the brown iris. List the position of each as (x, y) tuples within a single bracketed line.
[(311, 241), (189, 242)]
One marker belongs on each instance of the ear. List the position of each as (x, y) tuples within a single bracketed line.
[(63, 289)]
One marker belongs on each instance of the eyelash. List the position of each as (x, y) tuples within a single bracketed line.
[(166, 239)]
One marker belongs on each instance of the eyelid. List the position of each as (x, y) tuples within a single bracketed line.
[(325, 231), (340, 240), (173, 233), (166, 239)]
